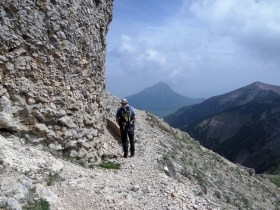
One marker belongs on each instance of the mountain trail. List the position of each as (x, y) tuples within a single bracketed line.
[(169, 171), (139, 184)]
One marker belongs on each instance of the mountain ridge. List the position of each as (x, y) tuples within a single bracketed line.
[(245, 134), (239, 125), (255, 91)]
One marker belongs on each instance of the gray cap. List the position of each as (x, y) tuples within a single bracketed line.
[(124, 101)]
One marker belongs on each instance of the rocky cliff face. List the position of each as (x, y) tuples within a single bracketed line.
[(52, 72)]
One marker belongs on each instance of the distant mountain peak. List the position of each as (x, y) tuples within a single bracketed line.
[(161, 83), (160, 97), (265, 86), (258, 82), (158, 87)]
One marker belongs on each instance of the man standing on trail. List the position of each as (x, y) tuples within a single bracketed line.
[(125, 117)]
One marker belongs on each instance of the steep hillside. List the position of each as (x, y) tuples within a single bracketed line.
[(160, 97), (253, 92), (247, 134), (170, 171)]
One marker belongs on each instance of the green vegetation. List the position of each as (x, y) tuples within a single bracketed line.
[(228, 199), (165, 157), (275, 179), (40, 204), (54, 178), (104, 157), (110, 165), (200, 193), (218, 194), (83, 163)]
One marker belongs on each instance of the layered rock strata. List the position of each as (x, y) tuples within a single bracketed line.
[(52, 75)]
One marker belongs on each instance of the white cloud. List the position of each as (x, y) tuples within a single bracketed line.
[(127, 44), (218, 43), (253, 25)]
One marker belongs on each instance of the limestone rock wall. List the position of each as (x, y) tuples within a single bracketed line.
[(52, 75)]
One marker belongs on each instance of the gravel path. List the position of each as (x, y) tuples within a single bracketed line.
[(139, 184)]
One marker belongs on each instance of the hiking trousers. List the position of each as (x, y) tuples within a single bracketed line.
[(130, 133)]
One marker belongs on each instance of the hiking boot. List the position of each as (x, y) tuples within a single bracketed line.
[(125, 156), (132, 155)]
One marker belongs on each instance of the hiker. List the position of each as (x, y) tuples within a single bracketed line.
[(125, 117)]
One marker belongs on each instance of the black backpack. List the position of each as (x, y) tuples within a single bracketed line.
[(126, 117)]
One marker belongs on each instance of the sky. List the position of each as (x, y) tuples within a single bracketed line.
[(200, 48)]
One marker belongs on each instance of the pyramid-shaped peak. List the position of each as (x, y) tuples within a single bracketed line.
[(258, 83), (160, 97), (265, 86), (162, 82), (161, 85)]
